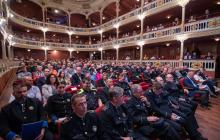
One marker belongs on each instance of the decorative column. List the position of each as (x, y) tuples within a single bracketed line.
[(181, 49), (117, 8), (101, 49), (69, 19), (183, 4), (141, 52), (12, 52), (43, 12), (117, 14), (181, 38), (142, 17), (9, 51), (44, 30), (101, 15), (45, 54), (183, 18), (71, 53), (117, 51), (4, 49)]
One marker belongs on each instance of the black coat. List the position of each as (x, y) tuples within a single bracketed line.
[(15, 114), (87, 128), (77, 79), (59, 106), (116, 122)]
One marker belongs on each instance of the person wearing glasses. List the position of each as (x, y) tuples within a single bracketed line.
[(23, 110)]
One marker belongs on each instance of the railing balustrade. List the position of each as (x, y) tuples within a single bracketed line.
[(94, 30)]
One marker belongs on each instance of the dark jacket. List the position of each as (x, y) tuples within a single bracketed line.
[(87, 128), (17, 113)]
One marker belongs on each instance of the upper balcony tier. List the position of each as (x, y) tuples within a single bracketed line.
[(207, 27), (148, 9)]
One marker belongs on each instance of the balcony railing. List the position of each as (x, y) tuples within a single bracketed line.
[(162, 33), (209, 65), (7, 64), (94, 30), (203, 25)]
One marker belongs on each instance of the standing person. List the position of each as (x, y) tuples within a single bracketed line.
[(77, 78)]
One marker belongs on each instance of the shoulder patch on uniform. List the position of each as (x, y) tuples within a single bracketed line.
[(91, 111), (67, 120)]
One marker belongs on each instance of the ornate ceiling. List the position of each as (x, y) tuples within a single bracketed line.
[(85, 7)]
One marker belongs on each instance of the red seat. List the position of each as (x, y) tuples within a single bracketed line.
[(71, 89), (99, 109), (145, 86)]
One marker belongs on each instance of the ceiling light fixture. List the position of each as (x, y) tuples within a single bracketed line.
[(169, 16), (168, 44), (100, 31), (116, 46), (218, 3), (56, 11), (217, 39), (116, 25)]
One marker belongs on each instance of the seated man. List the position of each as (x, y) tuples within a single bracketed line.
[(82, 124), (196, 89), (58, 106), (123, 84), (143, 119), (93, 100), (22, 110), (116, 121), (159, 100), (33, 91), (177, 95), (103, 93)]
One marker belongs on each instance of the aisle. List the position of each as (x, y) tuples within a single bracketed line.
[(209, 120)]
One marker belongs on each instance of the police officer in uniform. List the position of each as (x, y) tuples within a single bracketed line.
[(116, 120), (58, 106), (93, 101), (22, 110), (121, 83), (159, 100), (82, 124), (144, 122)]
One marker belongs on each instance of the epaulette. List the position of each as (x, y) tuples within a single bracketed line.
[(91, 111), (93, 89), (67, 120), (80, 91)]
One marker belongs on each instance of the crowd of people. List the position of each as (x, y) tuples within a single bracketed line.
[(82, 100)]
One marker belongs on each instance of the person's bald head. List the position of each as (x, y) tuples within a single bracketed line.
[(160, 80)]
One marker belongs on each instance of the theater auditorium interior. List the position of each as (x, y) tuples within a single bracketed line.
[(110, 69)]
